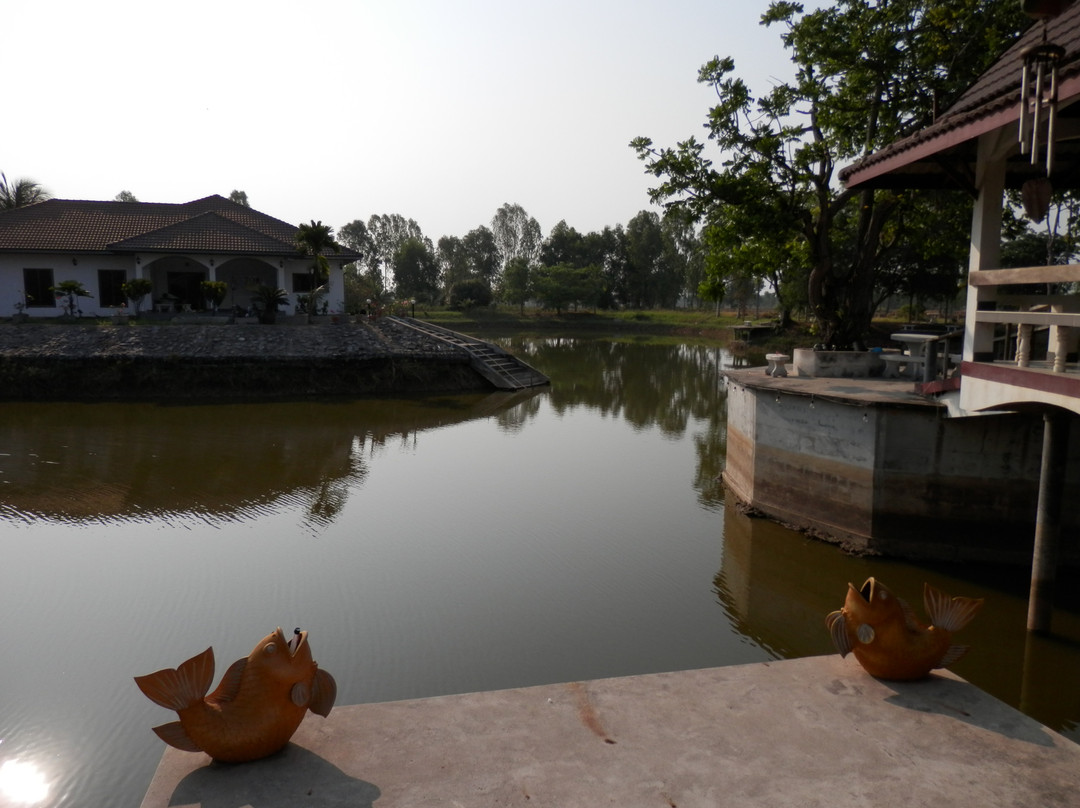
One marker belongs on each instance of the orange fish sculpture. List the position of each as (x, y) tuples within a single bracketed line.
[(889, 640), (254, 711)]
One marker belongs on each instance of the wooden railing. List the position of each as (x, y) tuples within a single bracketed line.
[(1061, 313)]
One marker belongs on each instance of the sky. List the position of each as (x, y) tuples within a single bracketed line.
[(335, 110)]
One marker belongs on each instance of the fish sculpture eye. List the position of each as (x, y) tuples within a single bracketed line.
[(271, 648)]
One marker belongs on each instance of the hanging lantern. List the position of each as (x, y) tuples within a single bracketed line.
[(1035, 195), (1039, 99)]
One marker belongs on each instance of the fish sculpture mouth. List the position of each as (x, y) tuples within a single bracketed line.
[(867, 590), (294, 643)]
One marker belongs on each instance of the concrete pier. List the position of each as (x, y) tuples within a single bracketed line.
[(807, 732)]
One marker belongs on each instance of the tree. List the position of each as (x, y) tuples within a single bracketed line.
[(453, 263), (387, 232), (356, 237), (240, 198), (315, 240), (416, 270), (125, 196), (559, 287), (72, 290), (517, 283), (20, 193), (482, 255), (516, 234), (866, 74), (135, 290)]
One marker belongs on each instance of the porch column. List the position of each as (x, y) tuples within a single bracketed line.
[(1044, 561), (985, 239)]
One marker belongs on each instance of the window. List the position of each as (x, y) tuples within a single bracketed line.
[(302, 282), (109, 283), (37, 284)]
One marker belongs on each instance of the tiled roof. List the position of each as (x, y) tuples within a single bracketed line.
[(991, 102), (213, 224)]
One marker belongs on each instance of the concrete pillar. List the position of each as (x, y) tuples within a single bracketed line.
[(985, 239), (1048, 520)]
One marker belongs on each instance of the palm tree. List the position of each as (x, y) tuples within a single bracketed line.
[(20, 193), (314, 240)]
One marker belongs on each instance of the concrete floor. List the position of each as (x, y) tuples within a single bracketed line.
[(807, 732)]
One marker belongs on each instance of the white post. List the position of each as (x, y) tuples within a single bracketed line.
[(985, 240)]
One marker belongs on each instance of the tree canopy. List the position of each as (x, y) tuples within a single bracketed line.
[(20, 193), (865, 75)]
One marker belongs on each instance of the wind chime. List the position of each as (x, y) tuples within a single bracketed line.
[(1039, 101)]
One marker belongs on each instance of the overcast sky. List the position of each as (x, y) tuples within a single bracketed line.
[(334, 110)]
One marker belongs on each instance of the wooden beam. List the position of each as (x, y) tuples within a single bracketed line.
[(1063, 273), (1029, 318)]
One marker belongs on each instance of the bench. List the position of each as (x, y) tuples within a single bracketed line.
[(893, 361)]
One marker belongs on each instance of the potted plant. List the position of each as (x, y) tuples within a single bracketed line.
[(72, 290), (268, 300), (135, 290), (20, 311), (214, 293)]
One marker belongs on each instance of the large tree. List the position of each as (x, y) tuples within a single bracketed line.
[(20, 193), (865, 75), (416, 270), (516, 234)]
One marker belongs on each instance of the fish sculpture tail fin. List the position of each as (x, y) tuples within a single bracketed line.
[(951, 614), (837, 626), (179, 688)]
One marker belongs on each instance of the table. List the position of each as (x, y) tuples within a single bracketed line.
[(917, 346)]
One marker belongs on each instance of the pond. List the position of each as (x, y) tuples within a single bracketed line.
[(430, 545)]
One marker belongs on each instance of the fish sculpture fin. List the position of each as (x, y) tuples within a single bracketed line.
[(230, 682), (174, 735), (179, 688), (300, 694), (837, 626), (954, 653), (323, 693), (951, 614)]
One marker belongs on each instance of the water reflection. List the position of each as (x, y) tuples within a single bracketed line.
[(648, 385), (22, 783), (779, 586), (99, 462)]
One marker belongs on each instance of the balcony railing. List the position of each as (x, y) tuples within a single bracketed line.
[(1024, 312)]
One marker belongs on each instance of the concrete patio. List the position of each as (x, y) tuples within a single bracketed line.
[(807, 732)]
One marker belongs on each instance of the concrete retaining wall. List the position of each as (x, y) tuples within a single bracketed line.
[(896, 480)]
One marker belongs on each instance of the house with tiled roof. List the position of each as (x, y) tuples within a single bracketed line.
[(174, 246)]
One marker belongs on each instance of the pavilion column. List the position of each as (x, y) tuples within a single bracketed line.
[(1044, 560), (985, 240)]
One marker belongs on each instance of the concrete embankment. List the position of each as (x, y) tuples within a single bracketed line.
[(879, 469), (806, 732), (187, 361)]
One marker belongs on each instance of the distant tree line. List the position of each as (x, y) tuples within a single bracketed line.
[(652, 261)]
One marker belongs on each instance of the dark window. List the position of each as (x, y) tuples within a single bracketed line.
[(302, 282), (185, 288), (109, 283), (37, 285)]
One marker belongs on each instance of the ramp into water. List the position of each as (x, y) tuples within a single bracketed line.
[(501, 368)]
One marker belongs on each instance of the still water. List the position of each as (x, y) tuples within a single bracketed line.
[(430, 545)]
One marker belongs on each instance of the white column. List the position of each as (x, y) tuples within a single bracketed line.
[(985, 239)]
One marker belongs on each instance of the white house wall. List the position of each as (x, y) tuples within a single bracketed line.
[(84, 269)]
